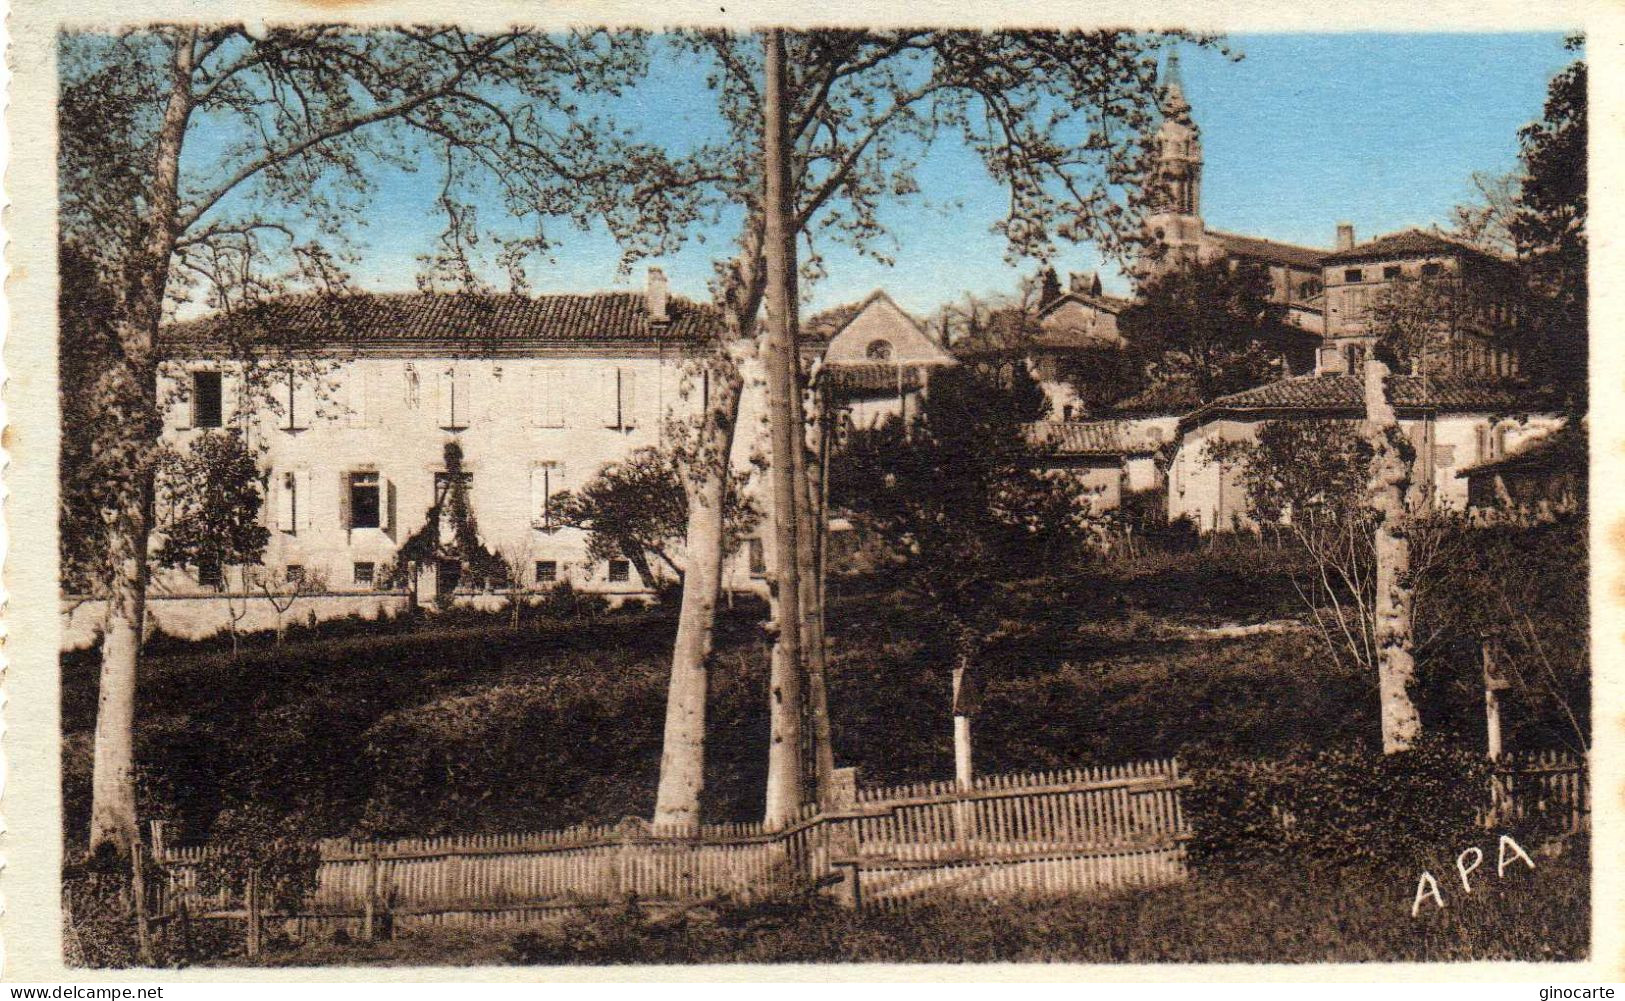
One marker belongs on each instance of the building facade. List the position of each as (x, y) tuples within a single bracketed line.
[(367, 403), (1453, 423)]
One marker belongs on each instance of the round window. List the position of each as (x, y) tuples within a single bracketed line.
[(879, 350)]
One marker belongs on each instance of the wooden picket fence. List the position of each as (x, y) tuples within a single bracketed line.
[(1071, 832), (1549, 785)]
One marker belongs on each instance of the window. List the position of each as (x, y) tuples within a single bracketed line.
[(294, 573), (210, 575), (619, 393), (456, 398), (1391, 272), (1354, 357), (620, 571), (1353, 275), (547, 397), (366, 573), (206, 400), (547, 571), (288, 503), (297, 400), (878, 350), (1432, 269), (364, 506), (546, 479), (758, 557)]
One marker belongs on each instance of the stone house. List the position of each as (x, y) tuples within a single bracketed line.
[(875, 359), (1453, 422), (1476, 298), (1536, 481), (1107, 459), (538, 393)]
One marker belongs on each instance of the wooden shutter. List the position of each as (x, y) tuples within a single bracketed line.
[(629, 397), (445, 389), (463, 415), (344, 500), (386, 489), (538, 494), (287, 507), (358, 392), (553, 398), (304, 500), (609, 398), (304, 402), (535, 405)]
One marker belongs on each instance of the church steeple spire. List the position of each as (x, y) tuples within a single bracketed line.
[(1173, 101), (1175, 221)]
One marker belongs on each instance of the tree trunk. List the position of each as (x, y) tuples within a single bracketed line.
[(113, 808), (810, 524), (682, 757), (1388, 488), (784, 772), (964, 709), (251, 902)]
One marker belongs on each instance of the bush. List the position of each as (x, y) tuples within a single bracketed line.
[(1336, 805)]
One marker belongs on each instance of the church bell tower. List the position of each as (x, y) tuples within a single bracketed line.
[(1174, 224)]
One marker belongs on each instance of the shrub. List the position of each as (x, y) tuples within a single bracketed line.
[(1336, 805)]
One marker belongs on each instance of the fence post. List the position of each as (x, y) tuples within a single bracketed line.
[(1494, 683), (369, 907)]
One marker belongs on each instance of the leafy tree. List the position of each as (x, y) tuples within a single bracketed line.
[(192, 159), (1060, 117), (960, 493), (1104, 375), (1211, 326), (1549, 228), (263, 855), (636, 508), (210, 496), (450, 531)]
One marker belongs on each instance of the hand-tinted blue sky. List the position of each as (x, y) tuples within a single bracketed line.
[(1383, 131)]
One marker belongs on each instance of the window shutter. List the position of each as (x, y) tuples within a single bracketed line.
[(344, 501), (535, 401), (388, 488), (358, 390), (287, 509), (629, 397), (304, 502), (463, 415), (538, 494), (553, 398), (304, 402), (230, 391), (445, 387), (609, 397), (1481, 436)]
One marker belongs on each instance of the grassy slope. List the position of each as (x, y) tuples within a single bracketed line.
[(487, 728)]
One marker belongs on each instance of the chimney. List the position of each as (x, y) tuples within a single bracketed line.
[(1345, 236), (1083, 282), (657, 296)]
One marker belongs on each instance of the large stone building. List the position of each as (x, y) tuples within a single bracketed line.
[(538, 394), (1454, 422), (876, 360)]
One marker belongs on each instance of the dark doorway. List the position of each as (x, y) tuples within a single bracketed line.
[(447, 574)]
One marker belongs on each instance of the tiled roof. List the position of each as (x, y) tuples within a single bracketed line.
[(1347, 393), (874, 377), (1088, 437), (1161, 400), (435, 318), (1269, 250), (1407, 243), (1105, 303)]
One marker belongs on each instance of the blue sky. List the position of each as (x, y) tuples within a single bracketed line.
[(1383, 131)]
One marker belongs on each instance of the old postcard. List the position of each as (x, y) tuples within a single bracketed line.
[(518, 488)]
